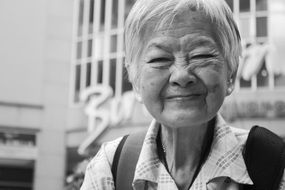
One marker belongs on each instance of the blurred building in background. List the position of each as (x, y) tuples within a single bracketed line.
[(35, 52), (64, 90), (259, 97)]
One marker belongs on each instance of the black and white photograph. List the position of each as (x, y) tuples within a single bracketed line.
[(142, 95)]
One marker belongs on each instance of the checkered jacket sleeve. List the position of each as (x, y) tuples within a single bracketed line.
[(98, 175)]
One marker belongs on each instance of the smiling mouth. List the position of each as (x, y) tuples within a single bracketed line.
[(183, 97)]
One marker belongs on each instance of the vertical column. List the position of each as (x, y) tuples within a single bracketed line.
[(50, 165), (107, 28), (85, 35), (120, 47), (96, 42), (74, 47)]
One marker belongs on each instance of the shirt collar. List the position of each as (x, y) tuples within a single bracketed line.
[(225, 158)]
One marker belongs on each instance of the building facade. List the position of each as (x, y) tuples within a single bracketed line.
[(35, 54)]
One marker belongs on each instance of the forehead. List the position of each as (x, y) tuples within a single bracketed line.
[(184, 27)]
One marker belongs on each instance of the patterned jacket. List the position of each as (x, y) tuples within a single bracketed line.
[(224, 169)]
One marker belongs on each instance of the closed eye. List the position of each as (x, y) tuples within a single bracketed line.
[(159, 59), (203, 56)]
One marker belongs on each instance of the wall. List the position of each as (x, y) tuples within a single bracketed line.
[(21, 50), (35, 53)]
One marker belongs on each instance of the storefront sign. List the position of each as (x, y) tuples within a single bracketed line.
[(17, 146), (102, 106), (13, 152), (104, 110)]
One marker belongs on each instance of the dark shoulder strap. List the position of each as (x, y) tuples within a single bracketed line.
[(125, 160), (265, 158), (117, 157)]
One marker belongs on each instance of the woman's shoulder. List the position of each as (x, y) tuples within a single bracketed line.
[(106, 152), (98, 173), (240, 134)]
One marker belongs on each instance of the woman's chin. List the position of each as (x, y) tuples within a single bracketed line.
[(177, 120)]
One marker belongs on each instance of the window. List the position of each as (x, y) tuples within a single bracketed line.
[(254, 22), (98, 49), (261, 5), (261, 26), (88, 74), (113, 44), (77, 82), (100, 72), (91, 16), (244, 5), (245, 27)]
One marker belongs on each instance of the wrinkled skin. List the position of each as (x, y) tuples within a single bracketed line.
[(183, 75)]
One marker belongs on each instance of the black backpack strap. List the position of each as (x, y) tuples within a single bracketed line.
[(125, 160), (117, 157), (264, 158)]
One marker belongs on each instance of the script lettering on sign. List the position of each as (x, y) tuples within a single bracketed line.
[(104, 110)]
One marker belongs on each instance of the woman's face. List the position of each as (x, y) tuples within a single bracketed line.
[(183, 75)]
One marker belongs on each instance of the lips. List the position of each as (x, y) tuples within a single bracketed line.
[(183, 96)]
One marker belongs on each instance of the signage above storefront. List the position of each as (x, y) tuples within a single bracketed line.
[(17, 146), (104, 110)]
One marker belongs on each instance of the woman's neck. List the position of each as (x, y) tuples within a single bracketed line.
[(183, 147)]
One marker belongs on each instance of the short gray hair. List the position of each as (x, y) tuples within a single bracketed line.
[(164, 11)]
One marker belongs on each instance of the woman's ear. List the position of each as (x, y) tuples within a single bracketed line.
[(230, 85)]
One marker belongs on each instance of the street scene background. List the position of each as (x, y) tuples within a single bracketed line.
[(64, 90)]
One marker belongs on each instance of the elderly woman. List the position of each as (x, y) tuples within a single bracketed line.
[(181, 57)]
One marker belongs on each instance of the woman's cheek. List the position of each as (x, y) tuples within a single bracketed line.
[(215, 82), (154, 76), (153, 81)]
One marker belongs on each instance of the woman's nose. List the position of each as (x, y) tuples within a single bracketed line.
[(182, 77)]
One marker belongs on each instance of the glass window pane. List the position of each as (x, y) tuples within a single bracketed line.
[(230, 3), (127, 86), (102, 15), (245, 83), (244, 5), (77, 82), (115, 14), (80, 17), (113, 63), (244, 26), (279, 80), (89, 51), (261, 26), (262, 76), (88, 74), (91, 16), (113, 45), (100, 72), (79, 50), (261, 5), (15, 177)]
